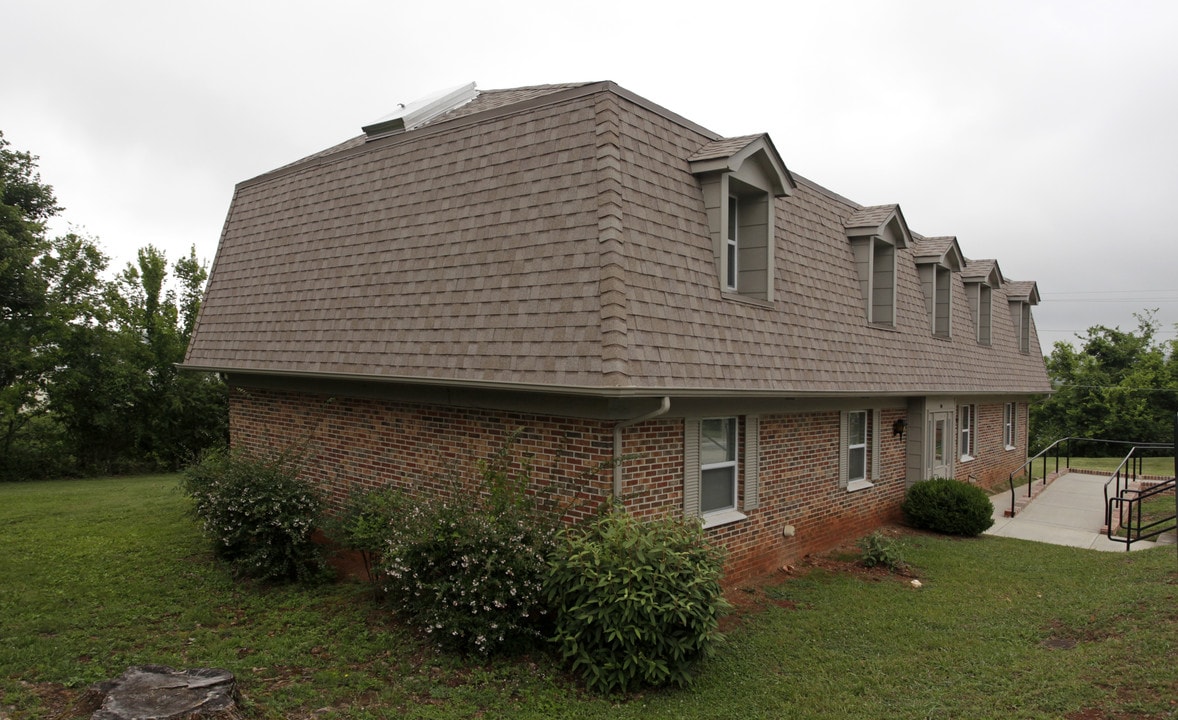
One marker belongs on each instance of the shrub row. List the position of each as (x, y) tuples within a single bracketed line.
[(488, 567)]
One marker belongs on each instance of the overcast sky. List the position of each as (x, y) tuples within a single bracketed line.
[(1042, 134)]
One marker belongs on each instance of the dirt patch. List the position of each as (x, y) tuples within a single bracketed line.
[(750, 598)]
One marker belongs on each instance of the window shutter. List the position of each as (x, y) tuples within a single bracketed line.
[(752, 457), (843, 432), (691, 467), (876, 432)]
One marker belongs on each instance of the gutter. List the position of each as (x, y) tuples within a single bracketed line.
[(664, 406)]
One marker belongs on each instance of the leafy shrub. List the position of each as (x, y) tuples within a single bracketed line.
[(878, 549), (469, 569), (365, 524), (948, 506), (636, 602), (258, 514)]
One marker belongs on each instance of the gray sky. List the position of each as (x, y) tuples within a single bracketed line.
[(1039, 133)]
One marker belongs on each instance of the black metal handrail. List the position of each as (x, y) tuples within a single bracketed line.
[(1044, 453), (1135, 532)]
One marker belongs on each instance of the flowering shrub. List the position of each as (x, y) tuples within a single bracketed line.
[(636, 602), (258, 514), (469, 569)]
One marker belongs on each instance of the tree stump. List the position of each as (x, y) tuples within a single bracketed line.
[(158, 692)]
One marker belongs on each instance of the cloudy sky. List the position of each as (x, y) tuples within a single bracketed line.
[(1042, 134)]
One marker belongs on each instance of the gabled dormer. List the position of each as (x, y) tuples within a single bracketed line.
[(1021, 295), (982, 278), (740, 177), (937, 258), (875, 234)]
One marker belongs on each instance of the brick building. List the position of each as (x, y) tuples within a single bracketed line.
[(610, 279)]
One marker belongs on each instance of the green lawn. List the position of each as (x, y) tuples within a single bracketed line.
[(101, 574), (1163, 466)]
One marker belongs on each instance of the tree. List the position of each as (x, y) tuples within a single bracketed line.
[(26, 204), (1118, 386), (88, 378)]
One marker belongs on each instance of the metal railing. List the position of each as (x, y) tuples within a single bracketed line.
[(1133, 499), (1134, 460)]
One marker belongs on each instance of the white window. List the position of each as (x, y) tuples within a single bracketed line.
[(721, 468), (717, 468), (966, 420), (857, 446), (859, 449), (1009, 418), (731, 244)]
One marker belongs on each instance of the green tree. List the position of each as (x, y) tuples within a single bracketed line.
[(1117, 386), (88, 379), (26, 204), (177, 414)]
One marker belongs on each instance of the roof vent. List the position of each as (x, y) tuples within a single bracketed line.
[(419, 112)]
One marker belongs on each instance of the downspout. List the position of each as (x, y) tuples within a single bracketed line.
[(664, 406)]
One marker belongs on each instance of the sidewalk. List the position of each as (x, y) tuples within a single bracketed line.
[(1069, 511)]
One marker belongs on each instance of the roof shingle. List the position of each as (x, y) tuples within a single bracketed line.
[(544, 238)]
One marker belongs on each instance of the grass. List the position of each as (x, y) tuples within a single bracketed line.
[(101, 574), (1163, 466)]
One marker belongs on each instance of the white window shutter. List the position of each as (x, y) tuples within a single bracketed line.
[(843, 433), (876, 434), (691, 467), (752, 457)]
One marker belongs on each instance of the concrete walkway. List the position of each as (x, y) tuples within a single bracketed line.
[(1069, 511)]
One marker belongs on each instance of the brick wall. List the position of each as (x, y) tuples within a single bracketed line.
[(993, 463), (360, 443), (356, 444)]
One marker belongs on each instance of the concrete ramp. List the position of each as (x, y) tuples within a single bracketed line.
[(1069, 511)]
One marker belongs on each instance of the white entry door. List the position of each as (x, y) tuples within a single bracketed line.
[(940, 444)]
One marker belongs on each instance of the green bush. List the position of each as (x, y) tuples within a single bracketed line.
[(636, 602), (258, 513), (469, 569), (879, 549), (365, 524), (948, 506)]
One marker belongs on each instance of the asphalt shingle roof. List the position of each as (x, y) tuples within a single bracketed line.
[(556, 237)]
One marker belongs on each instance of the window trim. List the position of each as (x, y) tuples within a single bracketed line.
[(730, 463), (871, 448), (1010, 425), (967, 417), (942, 302), (747, 474), (732, 245)]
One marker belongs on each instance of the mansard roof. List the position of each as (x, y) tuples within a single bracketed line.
[(554, 239)]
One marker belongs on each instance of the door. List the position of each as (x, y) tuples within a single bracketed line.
[(940, 444)]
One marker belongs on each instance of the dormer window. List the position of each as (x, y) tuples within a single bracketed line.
[(876, 233), (740, 177), (936, 261), (732, 245), (981, 278), (1022, 295), (984, 315)]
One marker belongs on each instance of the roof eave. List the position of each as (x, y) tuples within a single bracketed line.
[(628, 391)]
